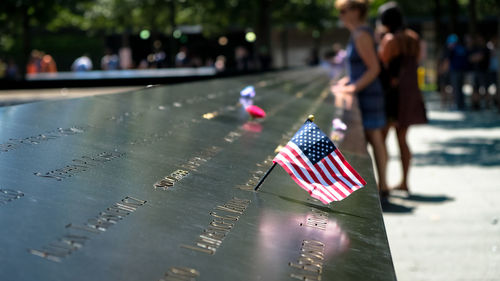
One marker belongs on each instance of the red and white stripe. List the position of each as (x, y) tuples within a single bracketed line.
[(331, 179)]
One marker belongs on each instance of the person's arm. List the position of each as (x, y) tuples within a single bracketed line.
[(364, 45), (387, 49)]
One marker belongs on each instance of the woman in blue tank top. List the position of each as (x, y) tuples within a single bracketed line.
[(362, 81)]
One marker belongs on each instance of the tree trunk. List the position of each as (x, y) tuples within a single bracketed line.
[(284, 47), (472, 17), (438, 13), (454, 10), (173, 43), (263, 43), (26, 42)]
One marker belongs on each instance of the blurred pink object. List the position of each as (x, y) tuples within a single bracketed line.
[(252, 126), (255, 111), (338, 124)]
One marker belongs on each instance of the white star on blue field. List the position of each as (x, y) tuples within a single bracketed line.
[(313, 142)]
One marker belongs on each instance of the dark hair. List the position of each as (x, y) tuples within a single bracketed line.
[(391, 16)]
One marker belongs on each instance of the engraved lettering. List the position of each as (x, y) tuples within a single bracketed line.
[(47, 254), (215, 230), (133, 201), (317, 255), (84, 228), (212, 237), (110, 217), (63, 246), (126, 206), (224, 208), (317, 243), (47, 175), (305, 277), (310, 260), (181, 274), (208, 241), (119, 209), (171, 179), (196, 248), (99, 224), (221, 225), (71, 170), (228, 217), (306, 267), (71, 242), (256, 175), (318, 219), (8, 195), (206, 245), (76, 240), (35, 140), (204, 156)]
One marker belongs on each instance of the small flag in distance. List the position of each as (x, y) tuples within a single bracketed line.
[(248, 92)]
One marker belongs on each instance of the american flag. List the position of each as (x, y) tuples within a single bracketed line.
[(314, 163)]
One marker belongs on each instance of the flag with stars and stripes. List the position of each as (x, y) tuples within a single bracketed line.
[(314, 163)]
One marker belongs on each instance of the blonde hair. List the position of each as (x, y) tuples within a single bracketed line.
[(360, 5)]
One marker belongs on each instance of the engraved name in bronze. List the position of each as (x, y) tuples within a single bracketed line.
[(191, 165), (126, 116), (316, 219), (13, 144), (9, 195), (169, 181), (224, 219), (177, 273), (196, 161), (150, 139), (78, 234), (309, 265), (80, 165), (256, 175), (233, 135)]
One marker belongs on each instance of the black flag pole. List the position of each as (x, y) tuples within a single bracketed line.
[(310, 117), (265, 176)]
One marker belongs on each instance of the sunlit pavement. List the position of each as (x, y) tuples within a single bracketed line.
[(449, 227)]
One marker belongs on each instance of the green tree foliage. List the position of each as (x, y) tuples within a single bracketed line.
[(17, 17), (488, 8), (97, 17), (304, 14)]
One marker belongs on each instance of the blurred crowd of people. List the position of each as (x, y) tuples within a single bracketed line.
[(475, 64), (467, 72), (9, 69), (380, 68), (41, 62)]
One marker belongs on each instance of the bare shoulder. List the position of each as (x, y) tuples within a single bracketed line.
[(362, 37), (388, 40), (412, 34), (388, 37)]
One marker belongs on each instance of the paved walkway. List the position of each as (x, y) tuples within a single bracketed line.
[(449, 228)]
